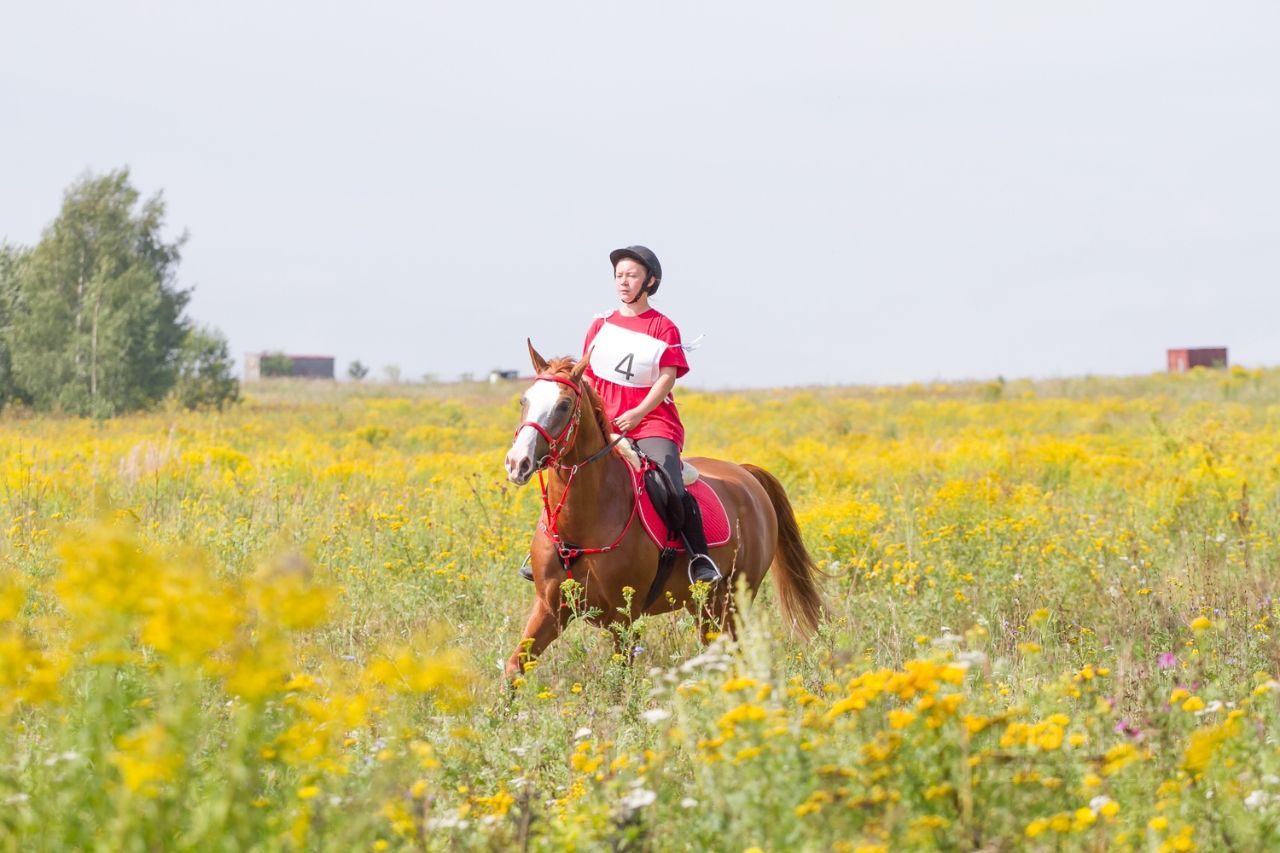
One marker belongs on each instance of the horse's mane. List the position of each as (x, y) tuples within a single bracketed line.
[(563, 366)]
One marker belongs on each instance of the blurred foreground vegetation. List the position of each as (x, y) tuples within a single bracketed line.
[(280, 626)]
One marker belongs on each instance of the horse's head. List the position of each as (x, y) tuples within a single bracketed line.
[(550, 412)]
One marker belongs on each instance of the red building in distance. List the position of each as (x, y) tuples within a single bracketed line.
[(1182, 360)]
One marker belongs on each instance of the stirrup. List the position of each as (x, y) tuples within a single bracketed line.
[(526, 568), (708, 571)]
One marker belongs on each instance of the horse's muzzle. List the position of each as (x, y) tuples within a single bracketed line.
[(519, 468)]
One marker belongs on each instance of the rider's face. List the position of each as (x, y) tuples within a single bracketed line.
[(629, 277)]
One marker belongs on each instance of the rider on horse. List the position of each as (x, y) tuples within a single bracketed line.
[(635, 358)]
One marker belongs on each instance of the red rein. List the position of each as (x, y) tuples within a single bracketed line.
[(556, 449)]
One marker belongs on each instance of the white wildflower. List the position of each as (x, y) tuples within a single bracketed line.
[(948, 640), (60, 758), (638, 799), (655, 715), (1212, 708), (712, 660)]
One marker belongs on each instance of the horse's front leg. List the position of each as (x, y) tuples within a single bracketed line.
[(546, 621)]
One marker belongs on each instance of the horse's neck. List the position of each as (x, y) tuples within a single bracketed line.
[(594, 485)]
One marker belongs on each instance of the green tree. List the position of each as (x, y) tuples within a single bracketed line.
[(275, 364), (357, 370), (10, 258), (205, 371), (96, 323)]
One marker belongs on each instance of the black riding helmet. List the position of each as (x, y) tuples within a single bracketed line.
[(647, 258)]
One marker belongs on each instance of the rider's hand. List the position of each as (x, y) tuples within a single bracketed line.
[(626, 421)]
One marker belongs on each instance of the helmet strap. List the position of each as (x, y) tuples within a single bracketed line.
[(649, 287)]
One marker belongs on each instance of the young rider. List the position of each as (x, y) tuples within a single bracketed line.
[(636, 358)]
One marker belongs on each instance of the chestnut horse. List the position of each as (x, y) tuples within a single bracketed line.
[(588, 530)]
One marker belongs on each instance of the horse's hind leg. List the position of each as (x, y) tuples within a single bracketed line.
[(723, 613), (544, 625)]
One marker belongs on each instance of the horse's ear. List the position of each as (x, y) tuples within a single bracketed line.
[(539, 363), (582, 365)]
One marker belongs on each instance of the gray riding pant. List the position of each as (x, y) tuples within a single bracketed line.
[(664, 452)]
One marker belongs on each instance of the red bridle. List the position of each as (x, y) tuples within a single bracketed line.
[(556, 448)]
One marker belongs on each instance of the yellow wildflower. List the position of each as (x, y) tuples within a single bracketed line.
[(900, 718)]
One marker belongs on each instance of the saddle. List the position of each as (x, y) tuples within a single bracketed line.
[(661, 514)]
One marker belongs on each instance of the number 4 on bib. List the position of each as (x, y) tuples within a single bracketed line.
[(624, 367)]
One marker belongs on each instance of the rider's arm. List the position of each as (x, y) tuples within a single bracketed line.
[(657, 393)]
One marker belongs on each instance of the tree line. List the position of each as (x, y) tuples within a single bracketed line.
[(92, 320)]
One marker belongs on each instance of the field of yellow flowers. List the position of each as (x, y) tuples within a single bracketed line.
[(1050, 627)]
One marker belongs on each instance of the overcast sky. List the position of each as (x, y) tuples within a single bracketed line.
[(839, 192)]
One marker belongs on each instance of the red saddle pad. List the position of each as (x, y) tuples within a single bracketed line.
[(715, 520)]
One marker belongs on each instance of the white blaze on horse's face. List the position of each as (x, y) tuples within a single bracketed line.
[(541, 402)]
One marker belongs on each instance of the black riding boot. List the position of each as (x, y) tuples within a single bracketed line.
[(701, 566)]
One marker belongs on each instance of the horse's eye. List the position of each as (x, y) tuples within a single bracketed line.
[(563, 406)]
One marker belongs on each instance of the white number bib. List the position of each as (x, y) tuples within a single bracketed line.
[(625, 357)]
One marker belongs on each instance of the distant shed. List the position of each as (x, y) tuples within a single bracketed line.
[(300, 366), (1182, 360)]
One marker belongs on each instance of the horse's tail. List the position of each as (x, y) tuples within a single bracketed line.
[(794, 571)]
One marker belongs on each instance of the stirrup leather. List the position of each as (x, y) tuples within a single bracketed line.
[(695, 542)]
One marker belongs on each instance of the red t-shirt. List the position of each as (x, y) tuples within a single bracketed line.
[(627, 355)]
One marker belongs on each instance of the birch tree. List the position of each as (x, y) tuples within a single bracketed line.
[(96, 321)]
